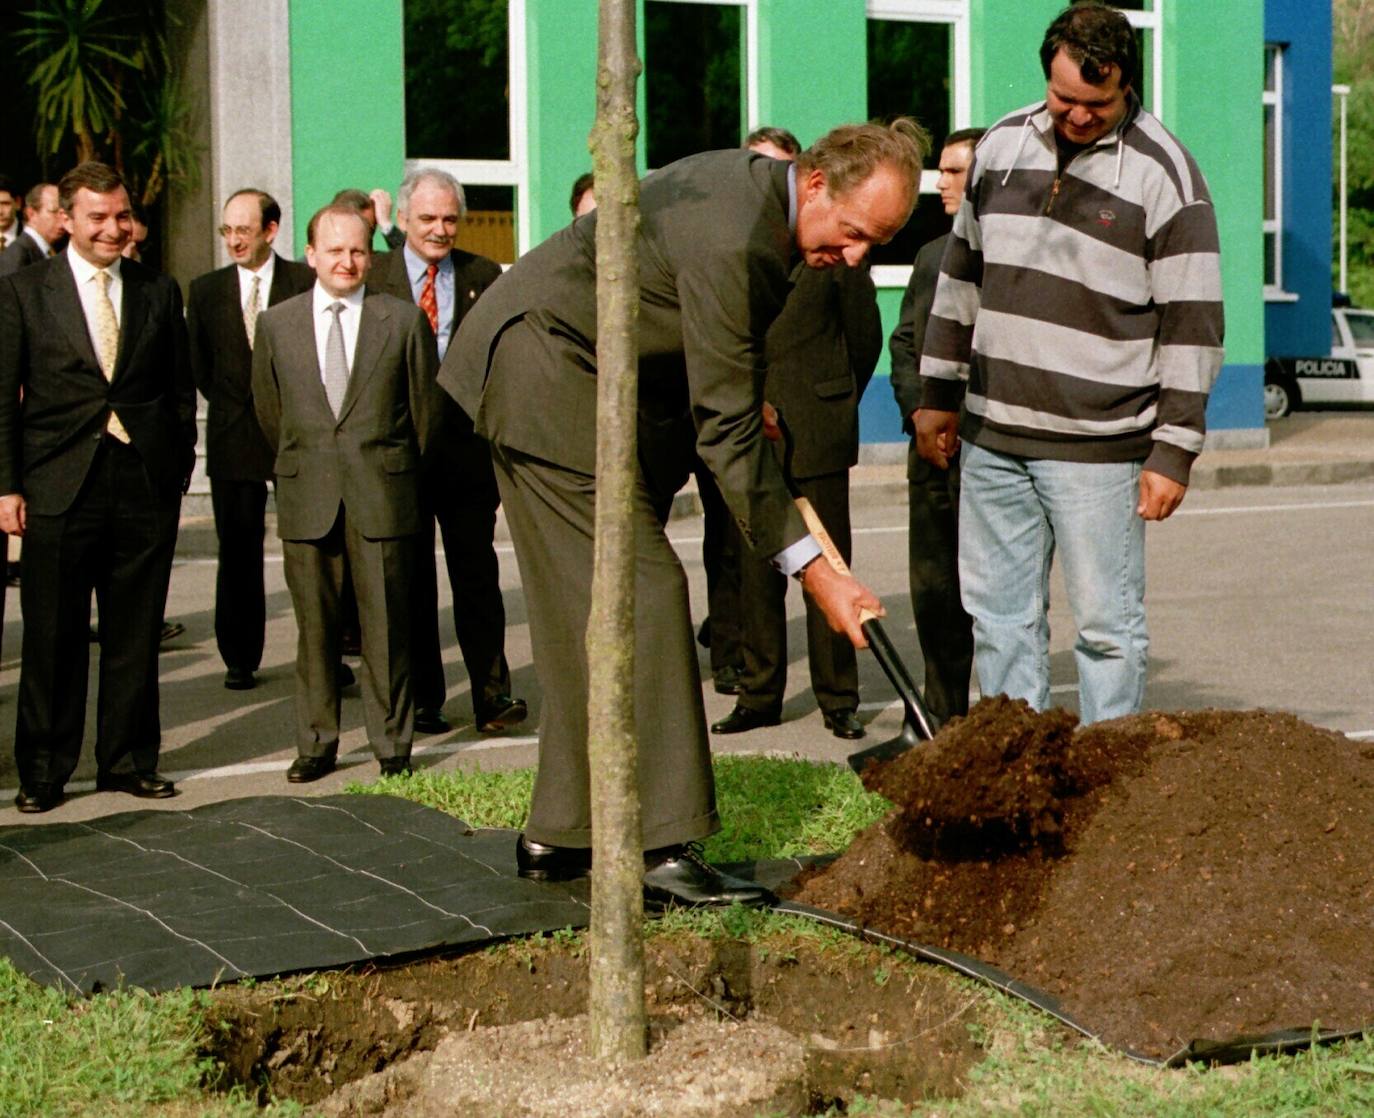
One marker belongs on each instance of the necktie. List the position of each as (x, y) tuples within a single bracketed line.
[(251, 308), (107, 343), (335, 361), (429, 300)]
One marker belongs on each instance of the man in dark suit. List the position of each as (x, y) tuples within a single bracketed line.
[(221, 316), (341, 385), (41, 233), (821, 352), (92, 468), (944, 629), (10, 205), (458, 485), (719, 237)]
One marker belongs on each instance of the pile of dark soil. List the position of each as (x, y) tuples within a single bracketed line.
[(1168, 877)]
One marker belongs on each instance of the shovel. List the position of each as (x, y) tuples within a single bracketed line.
[(917, 725)]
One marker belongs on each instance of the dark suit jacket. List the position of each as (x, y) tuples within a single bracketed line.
[(48, 442), (715, 258), (472, 275), (910, 335), (21, 254), (369, 457), (222, 362), (821, 354)]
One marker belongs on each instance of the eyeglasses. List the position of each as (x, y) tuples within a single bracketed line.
[(242, 231)]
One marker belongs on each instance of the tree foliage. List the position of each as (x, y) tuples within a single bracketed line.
[(1353, 65), (105, 89), (457, 80)]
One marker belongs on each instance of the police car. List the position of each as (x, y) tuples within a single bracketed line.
[(1342, 378)]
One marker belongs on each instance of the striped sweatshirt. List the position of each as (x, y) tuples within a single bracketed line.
[(1078, 316)]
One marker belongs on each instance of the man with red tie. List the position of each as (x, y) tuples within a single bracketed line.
[(458, 487)]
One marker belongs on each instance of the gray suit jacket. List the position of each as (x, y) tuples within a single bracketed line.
[(368, 458), (716, 256)]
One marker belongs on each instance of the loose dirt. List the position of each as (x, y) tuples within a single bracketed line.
[(1169, 877), (788, 1026)]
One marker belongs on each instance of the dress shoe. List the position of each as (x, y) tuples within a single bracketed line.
[(147, 786), (240, 679), (346, 676), (742, 718), (395, 766), (680, 875), (305, 770), (844, 724), (170, 631), (503, 713), (727, 681), (38, 796), (539, 862), (430, 720)]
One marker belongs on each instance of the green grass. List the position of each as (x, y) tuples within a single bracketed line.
[(129, 1054)]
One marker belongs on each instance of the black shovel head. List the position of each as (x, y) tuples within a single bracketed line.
[(917, 723)]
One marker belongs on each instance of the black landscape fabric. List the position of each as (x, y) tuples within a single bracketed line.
[(259, 886)]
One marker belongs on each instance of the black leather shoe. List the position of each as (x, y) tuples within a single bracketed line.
[(727, 681), (38, 796), (346, 676), (147, 786), (844, 724), (539, 862), (304, 770), (503, 713), (395, 766), (680, 875), (430, 720), (170, 631), (742, 718), (240, 679)]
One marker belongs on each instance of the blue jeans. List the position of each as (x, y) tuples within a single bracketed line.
[(1014, 513)]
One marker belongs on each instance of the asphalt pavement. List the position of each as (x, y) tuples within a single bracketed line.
[(1261, 593)]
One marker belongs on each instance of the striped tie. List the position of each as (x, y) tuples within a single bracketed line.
[(107, 342), (251, 308)]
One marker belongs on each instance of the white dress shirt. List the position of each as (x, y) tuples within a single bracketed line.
[(38, 239), (89, 290), (264, 274), (350, 318)]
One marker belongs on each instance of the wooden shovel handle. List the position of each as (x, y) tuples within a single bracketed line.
[(828, 548)]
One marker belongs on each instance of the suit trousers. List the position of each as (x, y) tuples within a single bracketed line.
[(943, 627), (551, 511), (464, 500), (240, 595), (117, 539), (722, 549), (380, 572), (763, 590)]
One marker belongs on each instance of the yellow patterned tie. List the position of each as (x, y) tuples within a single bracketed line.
[(251, 308), (107, 342)]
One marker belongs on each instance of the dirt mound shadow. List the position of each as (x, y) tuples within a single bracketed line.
[(1169, 877)]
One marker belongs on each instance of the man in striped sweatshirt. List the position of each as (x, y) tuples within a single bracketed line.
[(1078, 322)]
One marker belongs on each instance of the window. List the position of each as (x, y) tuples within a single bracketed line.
[(693, 78), (1273, 169), (465, 111), (918, 64)]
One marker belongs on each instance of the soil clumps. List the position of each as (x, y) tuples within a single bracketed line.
[(1169, 877)]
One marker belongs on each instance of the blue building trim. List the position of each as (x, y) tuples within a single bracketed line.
[(1303, 326), (1237, 399)]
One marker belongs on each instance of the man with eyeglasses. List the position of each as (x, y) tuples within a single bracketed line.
[(221, 315)]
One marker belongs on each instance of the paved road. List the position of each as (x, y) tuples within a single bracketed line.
[(1258, 596)]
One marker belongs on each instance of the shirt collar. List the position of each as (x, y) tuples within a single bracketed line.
[(263, 272), (323, 299), (417, 265), (38, 239), (83, 269)]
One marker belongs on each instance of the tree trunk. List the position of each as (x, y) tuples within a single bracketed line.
[(616, 1000)]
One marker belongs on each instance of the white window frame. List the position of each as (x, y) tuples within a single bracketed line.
[(1274, 292), (956, 14), (515, 171), (1153, 22)]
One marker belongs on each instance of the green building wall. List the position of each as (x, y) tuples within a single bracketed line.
[(348, 121)]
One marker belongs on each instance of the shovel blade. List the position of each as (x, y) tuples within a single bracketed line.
[(909, 738)]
